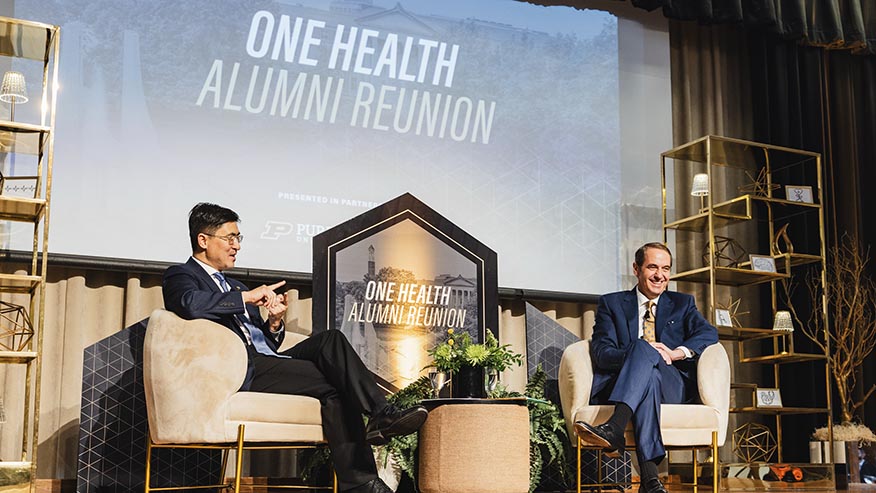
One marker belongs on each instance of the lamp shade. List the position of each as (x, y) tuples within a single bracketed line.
[(783, 321), (700, 186), (13, 89)]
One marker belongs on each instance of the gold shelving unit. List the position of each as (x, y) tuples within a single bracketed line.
[(745, 196), (28, 47)]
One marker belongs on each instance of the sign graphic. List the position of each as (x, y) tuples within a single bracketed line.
[(395, 279)]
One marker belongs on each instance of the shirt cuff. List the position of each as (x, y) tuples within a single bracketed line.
[(688, 354), (276, 333)]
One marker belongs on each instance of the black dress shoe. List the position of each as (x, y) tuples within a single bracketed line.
[(376, 485), (392, 422), (652, 485), (603, 436)]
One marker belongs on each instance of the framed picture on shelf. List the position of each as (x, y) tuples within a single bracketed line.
[(799, 193), (768, 398), (723, 318), (762, 263)]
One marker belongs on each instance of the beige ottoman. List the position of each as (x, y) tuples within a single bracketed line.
[(475, 446)]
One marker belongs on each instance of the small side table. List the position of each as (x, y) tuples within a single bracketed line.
[(475, 446)]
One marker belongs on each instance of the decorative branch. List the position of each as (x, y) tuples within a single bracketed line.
[(851, 297)]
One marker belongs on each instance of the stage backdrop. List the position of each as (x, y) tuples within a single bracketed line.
[(395, 279), (536, 129)]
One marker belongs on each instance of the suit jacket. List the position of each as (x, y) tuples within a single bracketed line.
[(677, 323), (192, 293)]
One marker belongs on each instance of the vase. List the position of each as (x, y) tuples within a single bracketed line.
[(491, 380), (844, 456), (468, 381)]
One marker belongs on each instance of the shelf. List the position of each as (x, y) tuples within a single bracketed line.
[(738, 153), (784, 358), (24, 197), (755, 477), (23, 138), (779, 410), (17, 356), (13, 283), (747, 199), (21, 209), (730, 212), (15, 476), (745, 386), (796, 259), (728, 276), (24, 39), (748, 333)]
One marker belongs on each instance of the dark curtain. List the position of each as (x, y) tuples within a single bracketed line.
[(824, 101), (846, 24)]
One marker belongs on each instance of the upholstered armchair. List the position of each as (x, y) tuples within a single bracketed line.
[(687, 426), (192, 370)]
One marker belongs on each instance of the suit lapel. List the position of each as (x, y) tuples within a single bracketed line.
[(202, 275), (631, 311), (664, 308)]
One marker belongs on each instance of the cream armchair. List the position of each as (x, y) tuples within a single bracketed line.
[(192, 370), (682, 425)]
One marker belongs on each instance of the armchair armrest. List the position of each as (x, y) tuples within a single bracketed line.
[(186, 361), (575, 380), (713, 383)]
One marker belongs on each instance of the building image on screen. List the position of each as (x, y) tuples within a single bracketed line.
[(505, 117), (397, 293)]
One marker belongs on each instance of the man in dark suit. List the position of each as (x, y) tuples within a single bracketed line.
[(323, 366), (644, 350)]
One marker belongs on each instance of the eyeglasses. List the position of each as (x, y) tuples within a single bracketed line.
[(229, 238)]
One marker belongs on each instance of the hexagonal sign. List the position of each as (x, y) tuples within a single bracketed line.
[(395, 279)]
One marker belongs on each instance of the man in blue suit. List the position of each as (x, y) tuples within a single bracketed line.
[(323, 366), (644, 350)]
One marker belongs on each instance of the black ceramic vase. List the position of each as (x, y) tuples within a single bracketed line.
[(468, 381)]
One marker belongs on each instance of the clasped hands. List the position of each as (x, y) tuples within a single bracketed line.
[(669, 355), (275, 303)]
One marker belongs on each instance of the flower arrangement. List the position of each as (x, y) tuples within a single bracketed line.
[(458, 351), (846, 432)]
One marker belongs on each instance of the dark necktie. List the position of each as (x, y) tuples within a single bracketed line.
[(648, 332), (255, 334)]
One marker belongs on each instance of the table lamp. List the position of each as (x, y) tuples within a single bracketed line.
[(700, 188), (782, 323), (13, 90)]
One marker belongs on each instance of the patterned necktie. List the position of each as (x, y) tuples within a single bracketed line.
[(255, 334), (648, 323)]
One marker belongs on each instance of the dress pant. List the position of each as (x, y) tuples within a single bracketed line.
[(325, 366), (644, 382)]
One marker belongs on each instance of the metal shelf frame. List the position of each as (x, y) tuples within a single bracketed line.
[(724, 159), (40, 43)]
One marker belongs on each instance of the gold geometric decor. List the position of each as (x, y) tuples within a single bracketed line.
[(728, 252), (753, 442), (758, 186), (732, 308), (16, 330), (780, 237)]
